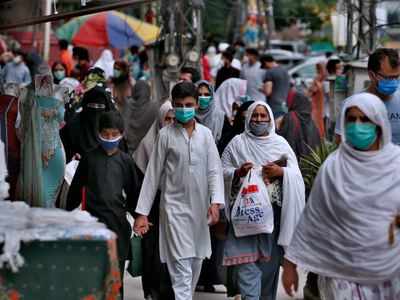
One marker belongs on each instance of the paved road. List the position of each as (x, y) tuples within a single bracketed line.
[(133, 291)]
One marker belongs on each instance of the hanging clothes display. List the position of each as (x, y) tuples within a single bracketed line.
[(8, 135), (43, 157)]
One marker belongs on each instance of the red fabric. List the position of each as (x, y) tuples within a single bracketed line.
[(290, 98), (84, 200), (8, 117), (66, 59), (317, 105), (206, 68), (93, 32), (296, 121)]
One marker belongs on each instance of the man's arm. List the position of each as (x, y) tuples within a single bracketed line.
[(268, 83), (267, 88), (27, 77)]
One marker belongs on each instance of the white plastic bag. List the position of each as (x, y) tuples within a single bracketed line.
[(252, 211), (70, 171)]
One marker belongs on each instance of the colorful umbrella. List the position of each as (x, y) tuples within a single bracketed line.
[(108, 29)]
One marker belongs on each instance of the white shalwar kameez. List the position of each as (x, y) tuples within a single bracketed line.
[(189, 173)]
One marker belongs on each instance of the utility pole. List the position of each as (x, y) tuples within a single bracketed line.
[(270, 22), (360, 36), (47, 31), (372, 25), (182, 19), (238, 19), (350, 11)]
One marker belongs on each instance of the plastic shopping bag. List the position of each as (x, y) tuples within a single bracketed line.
[(135, 267), (252, 211)]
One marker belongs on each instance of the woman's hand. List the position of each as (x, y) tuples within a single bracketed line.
[(290, 278), (244, 169), (270, 171)]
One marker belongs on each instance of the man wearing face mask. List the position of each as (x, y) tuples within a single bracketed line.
[(384, 73), (252, 72), (185, 165), (16, 71)]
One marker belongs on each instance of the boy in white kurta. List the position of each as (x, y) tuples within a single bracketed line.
[(186, 166)]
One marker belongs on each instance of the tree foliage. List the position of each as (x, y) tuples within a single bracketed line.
[(312, 12), (218, 19)]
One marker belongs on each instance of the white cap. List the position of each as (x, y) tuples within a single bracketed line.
[(222, 47), (211, 50), (236, 64)]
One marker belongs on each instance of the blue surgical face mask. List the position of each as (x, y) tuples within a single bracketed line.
[(244, 99), (259, 128), (145, 75), (59, 75), (184, 114), (109, 145), (117, 73), (361, 135), (204, 101), (388, 86)]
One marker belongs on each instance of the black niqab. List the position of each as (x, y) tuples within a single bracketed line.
[(81, 134)]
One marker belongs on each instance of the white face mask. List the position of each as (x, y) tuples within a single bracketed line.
[(18, 59), (259, 128)]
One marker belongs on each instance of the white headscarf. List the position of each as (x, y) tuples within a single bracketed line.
[(142, 153), (212, 118), (213, 60), (3, 173), (229, 92), (247, 147), (106, 63), (343, 232)]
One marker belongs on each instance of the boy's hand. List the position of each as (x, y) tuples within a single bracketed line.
[(213, 214), (290, 278), (141, 225)]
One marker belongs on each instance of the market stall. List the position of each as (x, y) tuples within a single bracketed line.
[(53, 254)]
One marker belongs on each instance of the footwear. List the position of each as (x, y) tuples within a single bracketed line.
[(308, 295), (209, 289)]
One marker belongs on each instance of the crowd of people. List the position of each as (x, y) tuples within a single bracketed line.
[(180, 165)]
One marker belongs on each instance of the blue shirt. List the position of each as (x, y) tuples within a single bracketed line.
[(393, 108), (17, 73)]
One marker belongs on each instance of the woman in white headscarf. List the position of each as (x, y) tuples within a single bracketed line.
[(209, 115), (106, 63), (228, 93), (155, 285), (142, 153), (258, 257), (343, 235)]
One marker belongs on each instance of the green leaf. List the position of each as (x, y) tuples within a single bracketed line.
[(311, 163)]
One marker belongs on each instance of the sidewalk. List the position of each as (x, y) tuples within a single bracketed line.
[(133, 290)]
